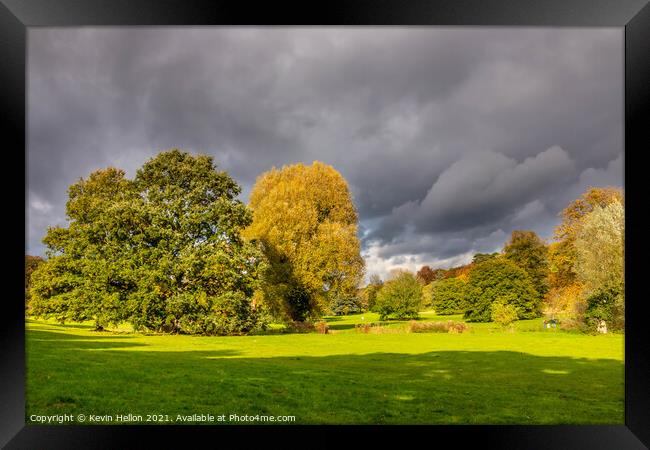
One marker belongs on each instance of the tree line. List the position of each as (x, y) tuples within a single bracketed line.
[(579, 276), (174, 250)]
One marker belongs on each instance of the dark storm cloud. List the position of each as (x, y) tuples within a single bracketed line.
[(448, 137), (483, 188)]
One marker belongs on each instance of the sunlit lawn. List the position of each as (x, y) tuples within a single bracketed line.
[(491, 376)]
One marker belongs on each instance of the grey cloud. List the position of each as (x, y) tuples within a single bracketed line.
[(443, 245), (487, 186), (404, 113), (481, 189)]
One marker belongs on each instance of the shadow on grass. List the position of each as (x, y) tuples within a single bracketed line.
[(440, 387), (329, 319), (78, 326), (67, 341)]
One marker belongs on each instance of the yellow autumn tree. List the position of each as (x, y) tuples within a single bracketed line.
[(306, 224), (567, 290), (562, 254), (592, 198)]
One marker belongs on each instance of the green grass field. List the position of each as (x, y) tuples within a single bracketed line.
[(485, 376)]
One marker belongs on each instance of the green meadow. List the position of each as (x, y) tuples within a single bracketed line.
[(487, 375)]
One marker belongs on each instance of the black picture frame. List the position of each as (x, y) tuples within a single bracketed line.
[(633, 15)]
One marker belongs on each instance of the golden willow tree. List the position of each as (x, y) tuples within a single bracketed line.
[(306, 224)]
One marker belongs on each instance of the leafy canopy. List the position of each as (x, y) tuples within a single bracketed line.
[(426, 274), (600, 263), (399, 298), (503, 314), (572, 216), (306, 225), (562, 254), (449, 296), (529, 252), (499, 279), (162, 251), (31, 264), (600, 246)]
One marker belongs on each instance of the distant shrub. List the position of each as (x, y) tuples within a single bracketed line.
[(300, 327), (375, 328), (437, 327), (428, 327), (399, 298), (503, 314), (322, 327), (457, 327), (573, 325), (362, 327), (449, 296)]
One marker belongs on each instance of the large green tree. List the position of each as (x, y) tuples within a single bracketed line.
[(500, 280), (449, 296), (87, 275), (530, 253), (162, 251), (306, 225), (400, 297)]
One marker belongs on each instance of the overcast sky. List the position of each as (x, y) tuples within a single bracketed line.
[(449, 138)]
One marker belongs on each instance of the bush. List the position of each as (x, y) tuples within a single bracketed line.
[(437, 327), (300, 327), (503, 314), (500, 279), (573, 325), (399, 298), (606, 304), (449, 296), (362, 327), (457, 327), (322, 327)]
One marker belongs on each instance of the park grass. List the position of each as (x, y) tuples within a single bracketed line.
[(527, 375)]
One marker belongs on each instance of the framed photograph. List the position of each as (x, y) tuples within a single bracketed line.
[(333, 223)]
